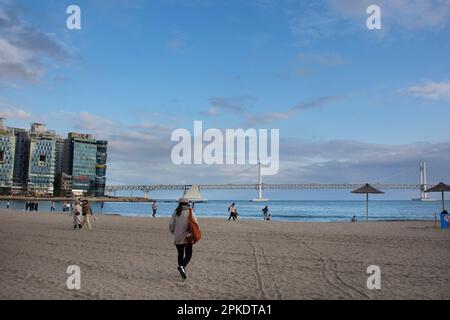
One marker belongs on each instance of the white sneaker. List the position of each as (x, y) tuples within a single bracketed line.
[(182, 272)]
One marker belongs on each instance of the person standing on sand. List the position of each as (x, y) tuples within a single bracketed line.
[(154, 208), (266, 213), (179, 227), (76, 212), (7, 204), (233, 212), (52, 206), (87, 213)]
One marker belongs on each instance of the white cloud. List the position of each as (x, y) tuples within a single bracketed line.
[(282, 115), (10, 112), (311, 20), (24, 48), (430, 90)]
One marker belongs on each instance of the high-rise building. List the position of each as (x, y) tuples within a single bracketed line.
[(20, 160), (87, 164), (41, 160), (7, 152), (100, 172)]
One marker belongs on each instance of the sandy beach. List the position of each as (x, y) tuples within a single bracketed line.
[(134, 258)]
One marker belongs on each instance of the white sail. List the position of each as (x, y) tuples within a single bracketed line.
[(193, 194)]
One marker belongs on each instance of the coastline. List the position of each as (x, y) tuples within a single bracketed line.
[(62, 199), (134, 258)]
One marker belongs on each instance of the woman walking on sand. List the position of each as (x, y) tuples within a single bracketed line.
[(76, 212), (87, 213), (179, 226), (233, 212), (154, 208)]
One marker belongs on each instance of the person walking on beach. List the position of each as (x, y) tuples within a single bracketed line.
[(7, 204), (154, 208), (76, 212), (266, 213), (232, 211), (87, 213), (52, 206), (179, 226), (101, 207)]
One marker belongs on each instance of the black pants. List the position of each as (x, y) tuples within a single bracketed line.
[(184, 254)]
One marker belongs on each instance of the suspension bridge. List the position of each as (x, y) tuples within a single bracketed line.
[(260, 186)]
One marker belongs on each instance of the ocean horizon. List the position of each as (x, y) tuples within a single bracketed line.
[(281, 210)]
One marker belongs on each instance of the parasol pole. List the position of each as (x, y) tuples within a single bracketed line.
[(443, 206), (367, 207), (435, 221)]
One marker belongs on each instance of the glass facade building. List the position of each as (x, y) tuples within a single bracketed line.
[(100, 172), (41, 164), (88, 164), (7, 153)]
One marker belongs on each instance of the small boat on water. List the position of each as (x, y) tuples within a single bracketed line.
[(193, 194)]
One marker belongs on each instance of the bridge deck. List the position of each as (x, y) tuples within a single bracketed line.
[(268, 186)]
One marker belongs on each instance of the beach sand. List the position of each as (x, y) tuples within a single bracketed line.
[(134, 258)]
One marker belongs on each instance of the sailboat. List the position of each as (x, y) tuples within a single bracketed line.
[(193, 194)]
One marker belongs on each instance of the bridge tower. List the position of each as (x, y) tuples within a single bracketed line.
[(423, 183), (260, 187), (423, 180)]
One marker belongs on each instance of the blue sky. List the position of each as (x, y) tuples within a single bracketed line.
[(138, 69)]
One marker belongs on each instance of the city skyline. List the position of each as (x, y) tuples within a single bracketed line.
[(39, 162), (352, 104)]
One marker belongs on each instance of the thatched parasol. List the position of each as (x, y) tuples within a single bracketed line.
[(441, 187), (367, 188)]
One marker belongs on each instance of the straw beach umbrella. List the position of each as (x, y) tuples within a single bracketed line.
[(441, 187), (367, 188)]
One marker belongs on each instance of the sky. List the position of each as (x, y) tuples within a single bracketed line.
[(352, 104)]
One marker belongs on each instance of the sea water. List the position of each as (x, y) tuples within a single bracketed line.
[(319, 211)]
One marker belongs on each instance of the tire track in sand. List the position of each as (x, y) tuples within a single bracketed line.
[(330, 267), (258, 250)]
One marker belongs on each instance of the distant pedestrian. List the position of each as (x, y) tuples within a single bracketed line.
[(179, 226), (232, 210), (76, 212), (354, 219), (52, 206), (266, 213), (7, 204), (101, 207), (36, 206), (87, 213), (154, 208)]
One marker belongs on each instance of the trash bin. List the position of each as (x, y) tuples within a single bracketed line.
[(445, 221)]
